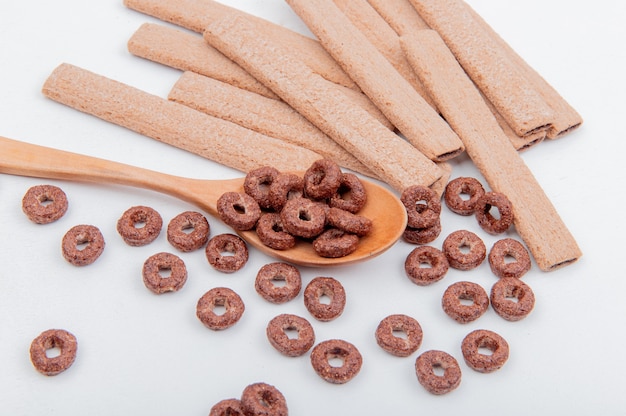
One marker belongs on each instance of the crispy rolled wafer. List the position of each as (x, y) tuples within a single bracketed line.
[(391, 158), (379, 80), (535, 218), (172, 123)]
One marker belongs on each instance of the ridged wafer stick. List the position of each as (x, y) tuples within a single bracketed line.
[(391, 158), (172, 123), (535, 218), (379, 80)]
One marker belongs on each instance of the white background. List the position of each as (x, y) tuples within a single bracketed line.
[(142, 354)]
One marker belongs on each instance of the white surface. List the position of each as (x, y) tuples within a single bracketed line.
[(145, 354)]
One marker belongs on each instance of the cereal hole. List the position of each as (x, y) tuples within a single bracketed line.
[(278, 281), (219, 307), (494, 211), (466, 300), (82, 244), (188, 228), (304, 216), (438, 370), (240, 209), (292, 332), (44, 201), (400, 333), (465, 248), (508, 259), (53, 352), (165, 272), (324, 299)]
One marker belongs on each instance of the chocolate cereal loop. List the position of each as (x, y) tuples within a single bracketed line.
[(425, 366), (164, 272), (433, 258), (139, 225), (512, 299), (422, 235), (219, 297), (349, 222), (53, 338), (320, 288), (463, 186), (271, 232), (455, 308), (400, 346), (286, 186), (351, 195), (263, 399), (227, 407), (257, 184), (322, 179), (484, 363), (336, 349), (334, 243), (303, 217), (270, 275), (506, 249), (494, 224), (82, 245), (227, 253), (238, 210), (44, 204), (277, 334), (188, 231), (454, 248), (422, 205)]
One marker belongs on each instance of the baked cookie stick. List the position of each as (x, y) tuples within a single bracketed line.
[(391, 158), (172, 123), (536, 219), (379, 80)]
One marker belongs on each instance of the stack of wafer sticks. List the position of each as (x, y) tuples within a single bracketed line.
[(391, 89)]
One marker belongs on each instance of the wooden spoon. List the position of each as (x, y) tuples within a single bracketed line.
[(383, 207)]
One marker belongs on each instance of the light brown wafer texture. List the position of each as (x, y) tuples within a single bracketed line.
[(172, 123), (391, 158), (535, 218), (379, 80)]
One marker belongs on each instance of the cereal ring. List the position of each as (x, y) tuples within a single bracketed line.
[(303, 218), (463, 185), (227, 407), (453, 247), (454, 307), (271, 232), (322, 179), (319, 288), (188, 231), (422, 235), (336, 349), (422, 205), (227, 253), (264, 400), (139, 225), (258, 182), (53, 338), (44, 204), (502, 293), (349, 222), (286, 186), (292, 347), (485, 218), (396, 345), (425, 366), (216, 298), (82, 245), (484, 363), (238, 210), (159, 283), (426, 255), (269, 274), (334, 243), (351, 195), (504, 249)]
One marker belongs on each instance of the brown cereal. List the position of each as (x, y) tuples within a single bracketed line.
[(303, 218), (269, 274), (504, 249), (455, 294), (292, 347), (426, 255), (485, 363), (257, 184), (326, 351), (348, 222), (334, 243), (227, 253), (174, 273), (238, 210), (422, 235), (425, 366), (463, 186), (319, 288), (227, 407), (351, 195), (397, 345), (82, 245), (44, 204), (261, 399), (286, 186), (271, 232), (502, 294), (487, 220), (422, 205), (180, 236), (53, 338), (139, 225), (454, 245), (216, 298), (322, 179)]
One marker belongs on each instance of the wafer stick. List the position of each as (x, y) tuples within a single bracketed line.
[(172, 123), (536, 219), (390, 158), (379, 80), (267, 116)]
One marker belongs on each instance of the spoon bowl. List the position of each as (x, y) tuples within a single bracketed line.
[(387, 213)]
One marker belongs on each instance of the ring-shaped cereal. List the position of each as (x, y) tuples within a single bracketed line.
[(269, 274), (456, 293), (277, 329), (430, 256), (425, 366), (271, 232), (423, 206), (227, 407), (286, 186), (454, 245), (502, 294), (422, 235), (44, 204), (320, 288), (348, 222), (258, 182), (334, 243), (322, 179), (164, 272), (238, 210), (484, 363), (509, 248), (53, 338), (398, 345), (220, 297), (227, 253), (351, 195), (336, 349), (263, 399), (139, 225), (460, 186), (82, 245), (180, 236), (487, 220), (303, 217)]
